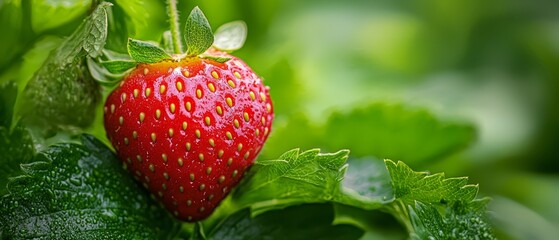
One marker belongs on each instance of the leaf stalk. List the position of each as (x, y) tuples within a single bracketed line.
[(173, 14)]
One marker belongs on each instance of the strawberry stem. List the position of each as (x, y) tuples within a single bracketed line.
[(174, 21)]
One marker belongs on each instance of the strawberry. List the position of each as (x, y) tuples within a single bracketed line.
[(189, 128)]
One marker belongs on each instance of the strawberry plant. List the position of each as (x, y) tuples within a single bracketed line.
[(127, 120)]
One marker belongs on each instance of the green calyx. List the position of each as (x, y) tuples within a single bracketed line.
[(198, 33), (145, 52), (198, 36), (230, 36)]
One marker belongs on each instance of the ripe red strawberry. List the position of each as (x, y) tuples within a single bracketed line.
[(188, 130), (188, 126)]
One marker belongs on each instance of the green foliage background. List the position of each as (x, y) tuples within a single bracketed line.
[(467, 87)]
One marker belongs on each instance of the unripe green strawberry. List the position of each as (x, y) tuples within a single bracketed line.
[(188, 130)]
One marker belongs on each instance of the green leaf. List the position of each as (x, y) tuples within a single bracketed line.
[(62, 93), (311, 177), (434, 207), (410, 186), (198, 232), (93, 34), (110, 55), (15, 32), (297, 222), (391, 131), (102, 75), (396, 132), (16, 147), (198, 33), (230, 36), (457, 222), (366, 184), (118, 67), (47, 15), (145, 52), (80, 192), (294, 177)]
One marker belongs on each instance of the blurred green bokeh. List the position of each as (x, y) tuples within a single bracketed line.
[(491, 64)]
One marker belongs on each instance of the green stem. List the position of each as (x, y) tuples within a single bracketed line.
[(399, 210), (174, 20)]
